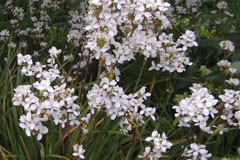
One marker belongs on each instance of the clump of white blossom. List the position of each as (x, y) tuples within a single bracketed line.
[(113, 32), (197, 109), (227, 46), (222, 8), (107, 96), (84, 123), (227, 68), (75, 35), (222, 5), (48, 98), (78, 151), (196, 152), (39, 17), (41, 20), (231, 107), (233, 81), (229, 71), (18, 14), (172, 55), (4, 35), (160, 144), (117, 30), (187, 6)]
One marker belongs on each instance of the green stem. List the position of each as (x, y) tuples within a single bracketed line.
[(134, 142), (140, 74)]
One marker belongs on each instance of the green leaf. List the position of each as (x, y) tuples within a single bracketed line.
[(236, 65)]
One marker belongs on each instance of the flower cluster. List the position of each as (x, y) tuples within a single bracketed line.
[(227, 68), (112, 32), (39, 18), (222, 9), (110, 98), (160, 146), (227, 46), (233, 81), (229, 71), (78, 151), (197, 109), (231, 111), (222, 5), (196, 152), (172, 56), (75, 35), (42, 19), (17, 14), (186, 6), (42, 100), (4, 35), (119, 29)]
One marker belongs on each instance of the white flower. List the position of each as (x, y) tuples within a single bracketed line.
[(228, 13), (233, 81), (231, 110), (171, 55), (197, 108), (224, 63), (42, 101), (4, 35), (227, 68), (37, 68), (77, 23), (32, 124), (109, 97), (78, 151), (54, 52), (18, 12), (196, 152), (232, 70), (222, 5), (160, 145), (188, 40), (102, 28), (227, 46), (43, 85), (24, 60)]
